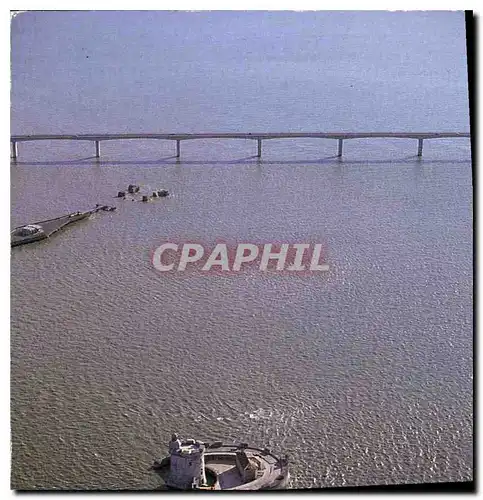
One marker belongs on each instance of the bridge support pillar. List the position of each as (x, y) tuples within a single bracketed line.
[(420, 147), (98, 149), (259, 152), (13, 150), (339, 153), (178, 148)]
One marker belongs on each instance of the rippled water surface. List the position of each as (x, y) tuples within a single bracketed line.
[(362, 374)]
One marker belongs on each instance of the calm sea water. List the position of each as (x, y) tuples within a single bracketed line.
[(362, 374)]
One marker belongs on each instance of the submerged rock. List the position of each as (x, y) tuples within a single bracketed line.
[(132, 188)]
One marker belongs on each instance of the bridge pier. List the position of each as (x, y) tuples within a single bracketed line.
[(339, 153), (420, 147), (258, 136)]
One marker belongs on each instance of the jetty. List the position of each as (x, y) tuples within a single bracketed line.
[(259, 137), (37, 231)]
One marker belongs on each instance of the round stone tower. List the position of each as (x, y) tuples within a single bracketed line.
[(187, 464)]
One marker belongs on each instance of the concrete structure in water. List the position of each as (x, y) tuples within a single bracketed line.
[(192, 464), (258, 136), (37, 231)]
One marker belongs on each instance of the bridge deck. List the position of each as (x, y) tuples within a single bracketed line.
[(258, 136), (240, 135)]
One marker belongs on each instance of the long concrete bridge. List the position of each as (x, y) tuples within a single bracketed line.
[(256, 136)]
